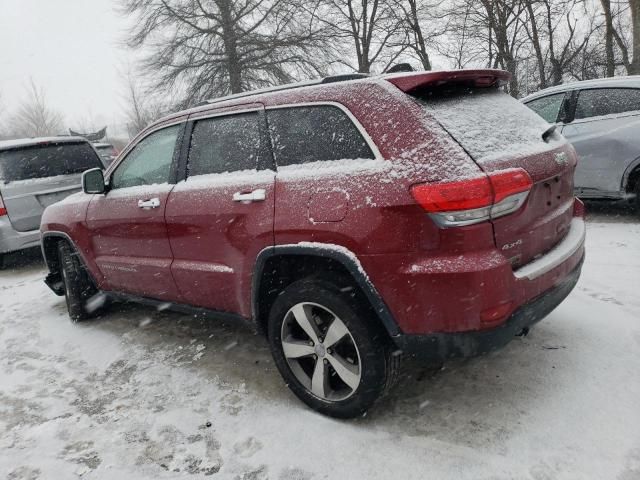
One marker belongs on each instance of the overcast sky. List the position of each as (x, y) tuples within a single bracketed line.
[(71, 48)]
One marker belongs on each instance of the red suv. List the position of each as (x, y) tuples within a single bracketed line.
[(354, 220)]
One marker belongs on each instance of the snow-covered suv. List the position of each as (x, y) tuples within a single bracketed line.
[(353, 220)]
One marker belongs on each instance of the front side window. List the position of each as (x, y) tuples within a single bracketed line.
[(314, 133), (149, 162), (547, 107), (224, 144), (607, 101)]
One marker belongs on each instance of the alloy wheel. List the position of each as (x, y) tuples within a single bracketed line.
[(321, 352)]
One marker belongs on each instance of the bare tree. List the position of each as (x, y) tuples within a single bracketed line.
[(34, 118), (460, 41), (609, 34), (497, 27), (142, 106), (553, 29), (634, 65), (206, 48), (421, 23), (367, 26)]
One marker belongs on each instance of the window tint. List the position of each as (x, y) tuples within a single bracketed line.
[(607, 101), (47, 161), (309, 134), (149, 162), (224, 144), (547, 107)]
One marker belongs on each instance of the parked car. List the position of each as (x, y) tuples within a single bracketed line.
[(353, 221), (35, 173), (601, 118), (107, 152)]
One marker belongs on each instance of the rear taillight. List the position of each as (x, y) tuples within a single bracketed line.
[(3, 209), (474, 200)]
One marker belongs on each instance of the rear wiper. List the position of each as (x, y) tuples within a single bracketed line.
[(548, 132)]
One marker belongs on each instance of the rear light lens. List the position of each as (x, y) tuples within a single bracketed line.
[(579, 210), (474, 200), (3, 210)]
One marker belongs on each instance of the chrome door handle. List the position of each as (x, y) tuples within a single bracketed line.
[(258, 195), (151, 203)]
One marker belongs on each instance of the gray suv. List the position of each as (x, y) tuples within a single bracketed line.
[(601, 118), (34, 173)]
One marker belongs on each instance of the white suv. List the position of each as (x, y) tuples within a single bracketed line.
[(601, 118)]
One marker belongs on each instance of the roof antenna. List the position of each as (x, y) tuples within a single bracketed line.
[(400, 67)]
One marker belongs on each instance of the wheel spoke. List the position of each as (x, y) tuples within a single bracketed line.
[(306, 323), (336, 332), (348, 373), (319, 379), (296, 349)]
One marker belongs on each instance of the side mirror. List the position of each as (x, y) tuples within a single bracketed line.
[(93, 181)]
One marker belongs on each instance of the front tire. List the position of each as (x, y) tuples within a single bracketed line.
[(330, 349), (79, 290)]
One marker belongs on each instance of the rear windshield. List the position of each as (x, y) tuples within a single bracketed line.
[(47, 161), (488, 123)]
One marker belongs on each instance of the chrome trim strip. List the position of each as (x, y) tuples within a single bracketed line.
[(367, 138), (558, 254)]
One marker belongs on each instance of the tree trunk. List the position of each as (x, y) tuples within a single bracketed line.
[(535, 39), (421, 47), (634, 67), (608, 35), (230, 46)]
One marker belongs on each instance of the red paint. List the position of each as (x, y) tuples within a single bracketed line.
[(201, 247), (216, 240)]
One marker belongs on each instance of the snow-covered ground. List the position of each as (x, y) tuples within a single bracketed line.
[(145, 394)]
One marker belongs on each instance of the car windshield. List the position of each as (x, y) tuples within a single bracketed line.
[(46, 161)]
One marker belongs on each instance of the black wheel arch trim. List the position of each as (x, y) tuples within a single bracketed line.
[(351, 264), (633, 166), (52, 279)]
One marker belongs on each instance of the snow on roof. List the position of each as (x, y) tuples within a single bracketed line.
[(394, 78), (27, 142)]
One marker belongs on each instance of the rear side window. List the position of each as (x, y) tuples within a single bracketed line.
[(607, 101), (47, 161), (224, 144), (488, 123), (547, 107), (314, 133)]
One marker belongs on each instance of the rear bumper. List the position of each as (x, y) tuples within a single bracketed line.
[(441, 346), (12, 240)]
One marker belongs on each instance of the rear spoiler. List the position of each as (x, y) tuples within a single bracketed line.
[(410, 82)]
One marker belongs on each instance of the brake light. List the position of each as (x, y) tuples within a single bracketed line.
[(3, 210), (474, 200)]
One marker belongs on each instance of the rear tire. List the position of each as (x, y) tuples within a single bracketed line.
[(338, 359), (79, 290)]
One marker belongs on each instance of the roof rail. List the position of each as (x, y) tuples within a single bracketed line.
[(289, 86), (344, 78), (251, 93)]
